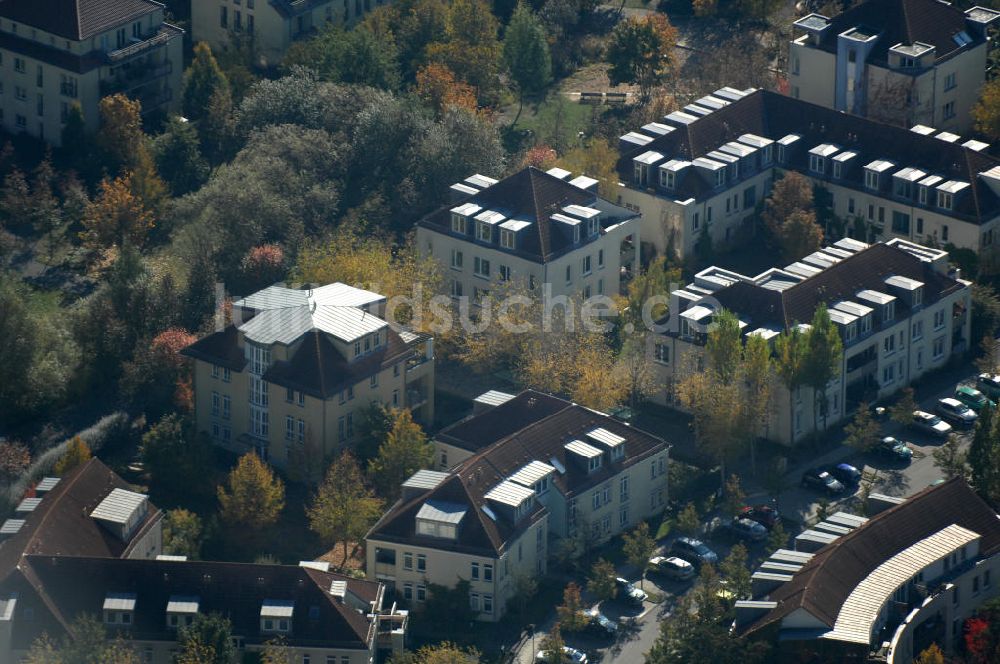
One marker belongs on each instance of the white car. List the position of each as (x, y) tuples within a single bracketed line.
[(674, 567), (930, 423), (955, 411), (571, 655)]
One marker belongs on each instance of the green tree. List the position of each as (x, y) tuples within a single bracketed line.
[(601, 581), (800, 236), (404, 451), (202, 79), (777, 538), (359, 56), (902, 411), (209, 638), (790, 216), (526, 52), (175, 456), (641, 51), (734, 569), (986, 112), (570, 612), (253, 496), (638, 546), (950, 459), (552, 646), (758, 368), (733, 496), (863, 430), (344, 508), (77, 453), (76, 145), (445, 652), (984, 457), (182, 533), (790, 350), (276, 651), (178, 157), (823, 360), (688, 521)]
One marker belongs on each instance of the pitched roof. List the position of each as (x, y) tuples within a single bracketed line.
[(62, 525), (529, 433), (534, 196), (866, 269), (902, 22), (823, 584), (76, 19), (71, 585), (772, 115), (220, 348)]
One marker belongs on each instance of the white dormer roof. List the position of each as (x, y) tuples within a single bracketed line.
[(581, 448), (515, 224), (119, 602), (650, 157), (657, 128), (952, 186), (675, 165), (910, 174), (947, 137), (680, 117), (975, 145), (825, 150), (508, 493), (490, 217), (846, 155), (563, 219), (923, 130), (560, 173), (605, 437), (879, 165), (636, 138), (467, 209), (442, 512), (183, 604), (788, 139), (582, 211), (583, 182), (708, 164), (118, 506), (874, 296), (754, 140), (481, 181), (904, 283), (852, 308), (930, 180), (277, 608), (737, 149), (534, 471)]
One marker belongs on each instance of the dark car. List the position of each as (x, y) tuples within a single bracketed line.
[(747, 529), (989, 384), (694, 551), (599, 624), (765, 515), (893, 449), (822, 481), (845, 473), (629, 591)]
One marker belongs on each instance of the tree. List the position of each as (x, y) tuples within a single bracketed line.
[(641, 52), (77, 453), (823, 360), (445, 652), (262, 266), (14, 459), (117, 216), (570, 612), (734, 569), (182, 531), (404, 451), (757, 372), (638, 545), (703, 8), (930, 655), (869, 479), (276, 651), (986, 112), (788, 213), (207, 640), (202, 79), (88, 644), (526, 52), (120, 136), (470, 47), (790, 350), (800, 235), (601, 581), (76, 144), (863, 430), (950, 459), (254, 497), (552, 646), (597, 159), (178, 157), (984, 457), (688, 521), (217, 130), (902, 411), (364, 55), (777, 538), (158, 378), (344, 508), (733, 496), (440, 90)]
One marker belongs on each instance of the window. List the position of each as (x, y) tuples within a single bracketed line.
[(226, 375), (301, 431), (421, 562), (373, 381), (237, 20), (506, 238), (289, 395), (475, 571), (249, 23), (817, 164), (226, 404), (937, 351), (569, 274), (595, 500), (395, 398), (302, 398), (216, 400), (408, 591), (661, 353), (623, 489), (474, 601), (487, 572), (585, 265), (918, 330), (795, 64), (504, 273), (749, 199), (258, 422), (223, 17), (484, 232), (600, 286), (407, 560), (948, 111), (39, 77), (487, 603), (838, 169), (593, 463), (939, 319), (19, 65), (215, 371), (481, 267), (458, 223), (20, 93), (949, 81), (456, 288), (944, 233), (920, 225), (421, 592), (623, 517), (900, 222), (720, 177), (871, 179)]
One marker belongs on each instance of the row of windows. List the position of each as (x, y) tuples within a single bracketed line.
[(408, 561), (221, 405), (295, 429), (227, 374)]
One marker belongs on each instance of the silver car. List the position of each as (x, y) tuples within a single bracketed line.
[(931, 424)]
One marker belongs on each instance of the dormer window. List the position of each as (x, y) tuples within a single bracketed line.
[(541, 487), (484, 232), (907, 62), (765, 155), (668, 179), (871, 180), (817, 164), (437, 518), (181, 611), (782, 154), (922, 195), (918, 297), (889, 312), (944, 200), (866, 324), (902, 188), (506, 238), (458, 223), (736, 170), (850, 332), (593, 463), (576, 234), (119, 609), (838, 170), (592, 227), (720, 177), (276, 616)]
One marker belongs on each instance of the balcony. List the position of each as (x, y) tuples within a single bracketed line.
[(132, 78), (415, 398), (158, 39)]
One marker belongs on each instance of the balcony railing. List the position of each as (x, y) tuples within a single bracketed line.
[(162, 36), (135, 77)]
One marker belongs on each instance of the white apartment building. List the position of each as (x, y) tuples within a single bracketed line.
[(885, 588), (707, 169), (529, 472), (905, 62), (899, 312), (271, 25), (540, 229), (54, 54), (292, 376)]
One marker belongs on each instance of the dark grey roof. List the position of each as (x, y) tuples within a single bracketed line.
[(76, 19)]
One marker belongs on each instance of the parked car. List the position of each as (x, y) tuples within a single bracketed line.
[(956, 412), (973, 398), (673, 567), (694, 551), (845, 473), (821, 480), (765, 515), (931, 424), (989, 384), (628, 590), (599, 624), (571, 655), (893, 449), (748, 529)]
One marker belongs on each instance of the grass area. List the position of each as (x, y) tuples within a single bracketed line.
[(665, 527), (557, 121)]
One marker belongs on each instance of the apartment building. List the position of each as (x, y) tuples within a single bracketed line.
[(535, 228), (54, 54), (87, 544), (886, 587), (291, 377), (271, 25), (901, 313), (532, 471), (905, 62), (706, 170)]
